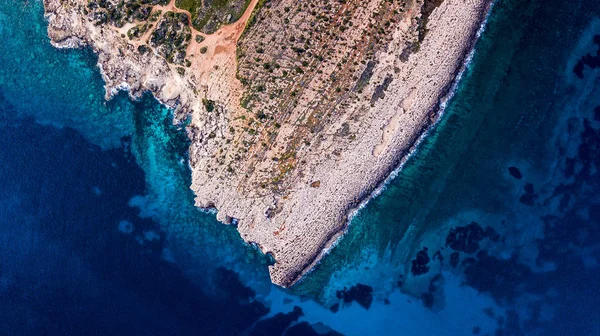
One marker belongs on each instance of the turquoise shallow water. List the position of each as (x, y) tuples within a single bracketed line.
[(47, 83), (125, 180)]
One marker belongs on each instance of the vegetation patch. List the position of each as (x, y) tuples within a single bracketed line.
[(309, 54), (209, 15), (138, 31), (365, 76), (171, 37), (143, 49), (252, 18), (155, 16), (117, 13), (208, 104), (380, 89)]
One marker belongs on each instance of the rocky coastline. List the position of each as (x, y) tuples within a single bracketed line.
[(433, 117), (292, 198)]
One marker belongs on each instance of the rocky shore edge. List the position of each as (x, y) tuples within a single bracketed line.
[(434, 115)]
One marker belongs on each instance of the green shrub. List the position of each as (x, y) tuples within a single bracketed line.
[(208, 104)]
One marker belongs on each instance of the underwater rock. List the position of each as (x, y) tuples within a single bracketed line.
[(434, 290), (465, 238), (530, 196), (419, 264), (515, 172), (362, 294), (592, 61)]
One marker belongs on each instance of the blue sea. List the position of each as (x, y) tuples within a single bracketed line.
[(492, 226)]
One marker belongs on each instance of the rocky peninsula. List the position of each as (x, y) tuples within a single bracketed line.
[(296, 111)]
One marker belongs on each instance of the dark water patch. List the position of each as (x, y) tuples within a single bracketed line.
[(582, 167), (278, 324), (229, 283), (434, 290), (438, 256), (515, 172), (362, 294), (529, 197), (454, 259), (305, 329), (569, 168), (510, 326), (529, 188), (481, 254), (589, 60), (466, 238), (597, 113), (572, 235), (503, 279), (428, 300), (419, 264), (468, 261)]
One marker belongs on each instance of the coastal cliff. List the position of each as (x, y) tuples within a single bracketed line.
[(296, 112)]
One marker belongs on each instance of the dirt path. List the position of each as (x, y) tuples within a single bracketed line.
[(219, 59), (223, 41)]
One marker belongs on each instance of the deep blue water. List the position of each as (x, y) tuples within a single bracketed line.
[(490, 228), (64, 266)]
